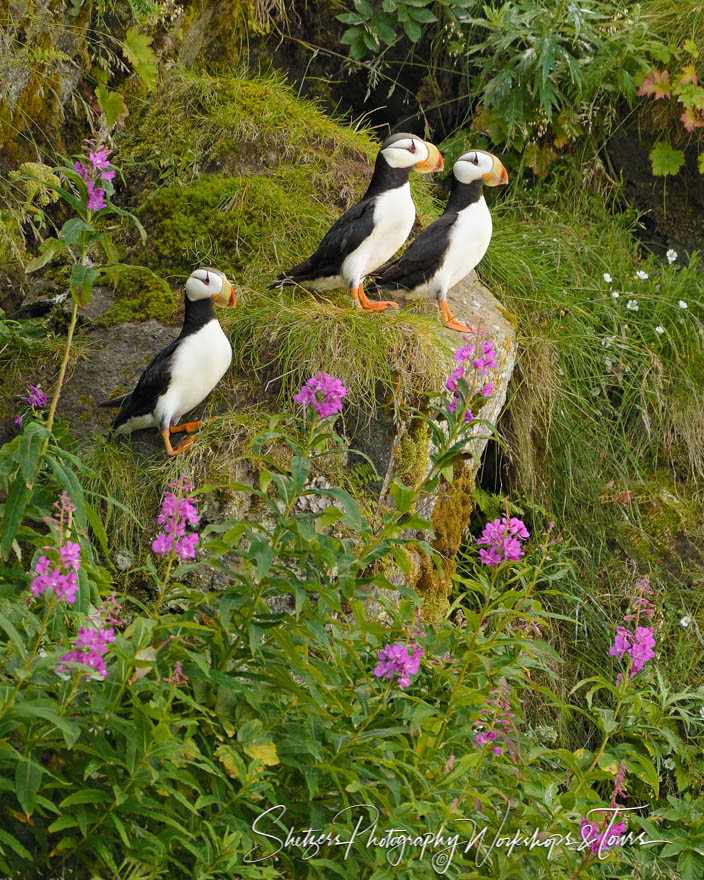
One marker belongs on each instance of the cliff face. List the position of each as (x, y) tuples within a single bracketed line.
[(234, 171)]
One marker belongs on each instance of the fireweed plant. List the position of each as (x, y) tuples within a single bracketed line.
[(264, 667), (86, 188)]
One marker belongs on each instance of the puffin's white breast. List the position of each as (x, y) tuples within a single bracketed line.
[(197, 365), (394, 213), (469, 240)]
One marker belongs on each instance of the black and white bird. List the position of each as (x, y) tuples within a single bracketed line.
[(370, 233), (447, 250), (187, 370)]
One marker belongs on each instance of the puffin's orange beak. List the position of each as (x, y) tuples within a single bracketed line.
[(434, 162), (498, 174), (226, 297)]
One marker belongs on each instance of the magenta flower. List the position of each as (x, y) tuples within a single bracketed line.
[(96, 197), (637, 645), (99, 171), (324, 393), (494, 719), (176, 513), (91, 647), (400, 661), (48, 579), (186, 547), (36, 397), (601, 839), (487, 390), (451, 383), (503, 540), (163, 544), (70, 555)]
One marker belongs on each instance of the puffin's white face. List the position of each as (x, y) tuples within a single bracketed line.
[(409, 151), (212, 284), (478, 165)]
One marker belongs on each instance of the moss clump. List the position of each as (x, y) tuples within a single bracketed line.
[(411, 453), (450, 518)]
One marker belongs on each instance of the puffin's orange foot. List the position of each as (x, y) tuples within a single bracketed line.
[(189, 427), (449, 319), (363, 303), (169, 448)]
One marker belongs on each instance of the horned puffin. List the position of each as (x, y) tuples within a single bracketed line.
[(370, 233), (187, 370), (447, 250)]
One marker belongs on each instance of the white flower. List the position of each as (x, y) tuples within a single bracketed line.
[(669, 764), (660, 329), (607, 278), (686, 620), (642, 275), (632, 305), (671, 256), (615, 294), (607, 340), (682, 304), (608, 363)]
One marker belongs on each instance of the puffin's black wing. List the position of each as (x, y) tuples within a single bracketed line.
[(421, 259), (343, 237), (151, 385)]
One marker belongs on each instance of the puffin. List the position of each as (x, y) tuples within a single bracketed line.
[(369, 233), (449, 248), (187, 370)]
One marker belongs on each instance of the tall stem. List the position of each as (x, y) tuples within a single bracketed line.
[(62, 371)]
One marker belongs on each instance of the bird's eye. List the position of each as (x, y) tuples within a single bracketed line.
[(207, 278), (475, 160), (413, 146)]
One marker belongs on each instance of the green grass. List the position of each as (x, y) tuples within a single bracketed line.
[(599, 445), (282, 338)]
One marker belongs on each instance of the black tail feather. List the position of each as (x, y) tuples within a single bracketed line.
[(115, 402)]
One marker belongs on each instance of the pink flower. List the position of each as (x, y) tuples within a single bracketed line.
[(176, 514), (186, 547), (396, 661), (70, 555), (487, 390), (601, 841), (324, 393), (96, 197), (503, 540), (36, 397), (163, 544)]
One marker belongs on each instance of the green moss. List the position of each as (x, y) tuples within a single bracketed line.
[(411, 454), (450, 518)]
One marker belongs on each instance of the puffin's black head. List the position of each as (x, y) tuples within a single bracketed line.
[(212, 284), (409, 151), (479, 165)]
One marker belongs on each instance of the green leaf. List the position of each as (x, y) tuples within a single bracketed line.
[(47, 251), (413, 30), (690, 46), (665, 160), (82, 280), (17, 500), (72, 229), (28, 777), (112, 105), (424, 16), (30, 446), (403, 496), (700, 163), (690, 865), (137, 48)]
